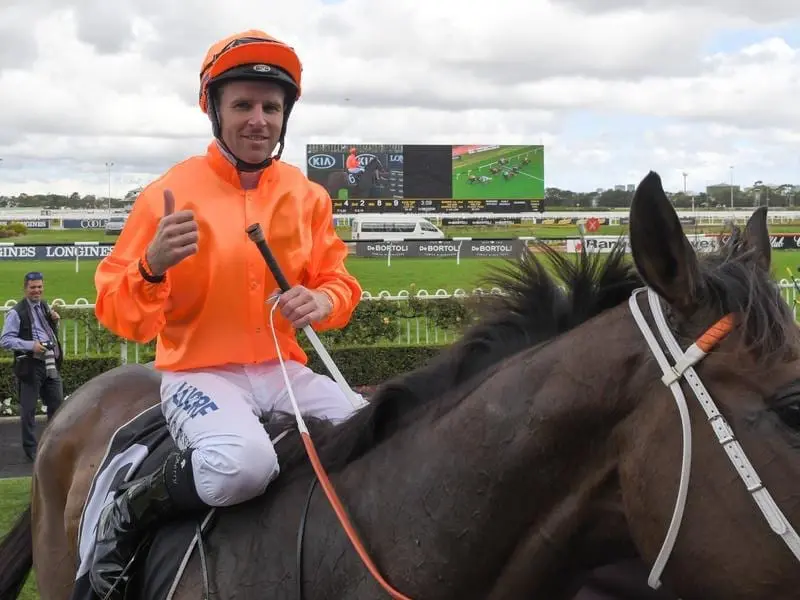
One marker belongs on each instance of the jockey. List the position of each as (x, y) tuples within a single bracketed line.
[(184, 271), (352, 163)]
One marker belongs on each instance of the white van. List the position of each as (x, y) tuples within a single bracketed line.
[(394, 227), (115, 224)]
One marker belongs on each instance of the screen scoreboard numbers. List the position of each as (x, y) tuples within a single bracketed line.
[(433, 206)]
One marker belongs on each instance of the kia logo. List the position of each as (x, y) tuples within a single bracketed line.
[(321, 161), (365, 159)]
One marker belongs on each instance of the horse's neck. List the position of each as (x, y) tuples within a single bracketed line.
[(507, 478)]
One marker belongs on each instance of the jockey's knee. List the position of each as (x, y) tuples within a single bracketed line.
[(234, 470)]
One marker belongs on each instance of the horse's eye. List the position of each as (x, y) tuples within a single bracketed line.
[(786, 405), (790, 414)]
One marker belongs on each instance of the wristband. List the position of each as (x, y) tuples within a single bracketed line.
[(147, 273)]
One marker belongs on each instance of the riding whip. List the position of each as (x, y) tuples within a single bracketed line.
[(256, 234)]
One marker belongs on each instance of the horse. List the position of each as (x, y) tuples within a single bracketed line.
[(543, 443), (364, 182)]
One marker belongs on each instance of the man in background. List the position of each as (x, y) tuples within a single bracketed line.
[(30, 332)]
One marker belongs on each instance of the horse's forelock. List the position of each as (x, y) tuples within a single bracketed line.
[(736, 283)]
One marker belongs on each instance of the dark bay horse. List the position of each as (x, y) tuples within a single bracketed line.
[(540, 445)]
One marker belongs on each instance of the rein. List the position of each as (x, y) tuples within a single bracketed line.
[(672, 376), (255, 233), (325, 481)]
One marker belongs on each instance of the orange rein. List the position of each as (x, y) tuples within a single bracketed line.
[(344, 519)]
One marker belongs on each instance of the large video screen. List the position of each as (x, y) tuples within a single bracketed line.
[(429, 178)]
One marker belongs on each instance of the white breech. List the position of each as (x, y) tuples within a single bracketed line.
[(216, 412)]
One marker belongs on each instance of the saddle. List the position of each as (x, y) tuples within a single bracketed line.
[(137, 449)]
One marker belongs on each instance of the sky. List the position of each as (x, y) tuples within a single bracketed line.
[(612, 88)]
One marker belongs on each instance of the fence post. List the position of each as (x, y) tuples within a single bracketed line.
[(123, 347)]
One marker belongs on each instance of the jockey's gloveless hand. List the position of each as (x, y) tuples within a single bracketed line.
[(302, 306), (175, 239)]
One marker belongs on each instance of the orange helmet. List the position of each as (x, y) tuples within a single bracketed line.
[(251, 54)]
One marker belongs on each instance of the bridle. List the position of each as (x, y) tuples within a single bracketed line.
[(672, 376)]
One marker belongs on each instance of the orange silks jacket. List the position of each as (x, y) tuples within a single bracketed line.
[(211, 308)]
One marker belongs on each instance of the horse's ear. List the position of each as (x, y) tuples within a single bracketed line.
[(756, 237), (663, 256)]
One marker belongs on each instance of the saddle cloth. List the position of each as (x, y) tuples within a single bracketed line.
[(137, 449)]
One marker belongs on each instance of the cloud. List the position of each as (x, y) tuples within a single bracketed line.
[(612, 88), (764, 11), (18, 49), (103, 25)]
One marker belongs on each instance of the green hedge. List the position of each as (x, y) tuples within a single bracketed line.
[(360, 366), (373, 322), (13, 230)]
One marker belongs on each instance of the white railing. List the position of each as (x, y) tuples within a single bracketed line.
[(422, 294), (76, 340)]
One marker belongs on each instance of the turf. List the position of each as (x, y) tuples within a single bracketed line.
[(14, 496), (60, 236), (411, 274), (61, 280)]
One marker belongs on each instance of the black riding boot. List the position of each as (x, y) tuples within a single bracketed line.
[(146, 503)]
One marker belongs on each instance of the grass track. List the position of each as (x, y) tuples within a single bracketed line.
[(410, 274), (56, 236), (61, 280), (424, 273), (14, 496)]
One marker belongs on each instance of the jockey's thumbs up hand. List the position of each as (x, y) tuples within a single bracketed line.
[(176, 237), (169, 203)]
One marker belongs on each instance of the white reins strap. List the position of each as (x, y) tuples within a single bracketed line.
[(684, 368)]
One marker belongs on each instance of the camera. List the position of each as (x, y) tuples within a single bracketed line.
[(50, 360)]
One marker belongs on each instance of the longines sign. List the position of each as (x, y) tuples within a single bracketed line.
[(54, 251)]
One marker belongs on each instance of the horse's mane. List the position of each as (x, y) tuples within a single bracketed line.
[(545, 294)]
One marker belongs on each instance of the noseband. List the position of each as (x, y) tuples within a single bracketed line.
[(672, 375)]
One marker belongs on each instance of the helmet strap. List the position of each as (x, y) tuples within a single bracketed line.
[(287, 110)]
